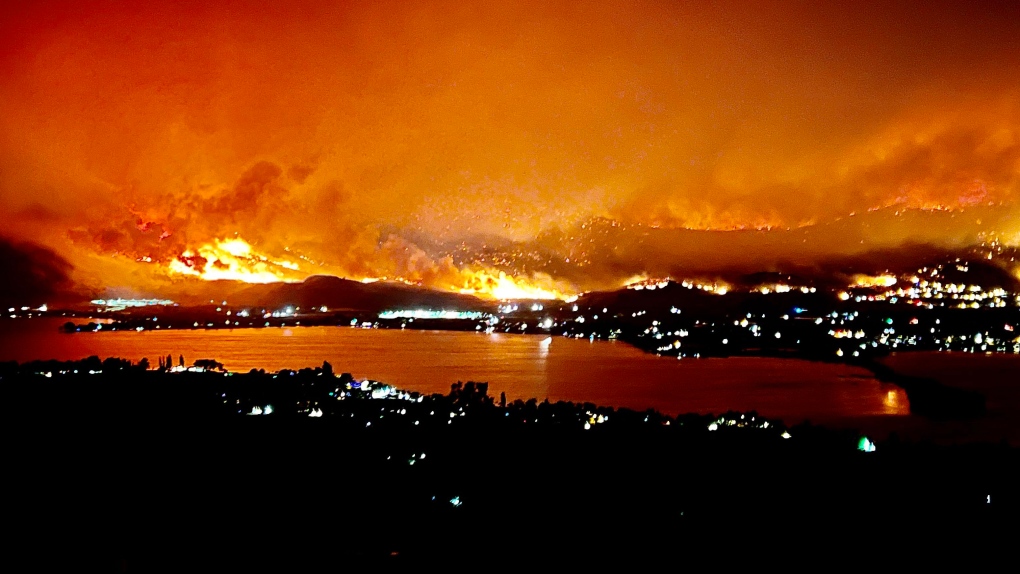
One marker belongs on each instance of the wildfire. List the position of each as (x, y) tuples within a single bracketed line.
[(876, 281), (642, 282), (502, 286), (235, 260), (367, 280)]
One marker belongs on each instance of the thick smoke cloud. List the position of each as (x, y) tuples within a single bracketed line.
[(966, 167), (412, 139), (973, 163)]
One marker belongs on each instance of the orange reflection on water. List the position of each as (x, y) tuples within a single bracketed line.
[(896, 401)]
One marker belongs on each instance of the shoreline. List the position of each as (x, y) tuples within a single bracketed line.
[(928, 397)]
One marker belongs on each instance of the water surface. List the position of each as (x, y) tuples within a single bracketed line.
[(606, 373)]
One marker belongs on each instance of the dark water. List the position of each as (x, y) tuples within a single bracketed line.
[(605, 373), (996, 377)]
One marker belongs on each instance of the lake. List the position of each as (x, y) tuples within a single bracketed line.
[(608, 373)]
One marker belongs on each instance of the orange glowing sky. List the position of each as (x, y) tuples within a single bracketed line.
[(365, 138)]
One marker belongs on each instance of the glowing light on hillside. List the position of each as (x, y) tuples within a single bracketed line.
[(430, 314)]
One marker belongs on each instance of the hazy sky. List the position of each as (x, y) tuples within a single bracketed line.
[(131, 130)]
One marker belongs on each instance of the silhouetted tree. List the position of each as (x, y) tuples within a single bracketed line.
[(115, 364), (92, 363), (209, 364)]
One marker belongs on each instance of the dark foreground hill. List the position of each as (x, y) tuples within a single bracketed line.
[(131, 470)]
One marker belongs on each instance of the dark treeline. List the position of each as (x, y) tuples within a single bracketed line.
[(144, 468)]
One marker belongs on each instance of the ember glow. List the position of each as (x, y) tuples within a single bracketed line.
[(514, 149)]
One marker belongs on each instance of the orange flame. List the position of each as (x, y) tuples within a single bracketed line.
[(235, 260), (491, 285), (861, 280)]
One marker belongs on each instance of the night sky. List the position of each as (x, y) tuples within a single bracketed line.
[(443, 141)]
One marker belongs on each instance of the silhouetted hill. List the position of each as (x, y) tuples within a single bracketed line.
[(658, 302), (344, 294)]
